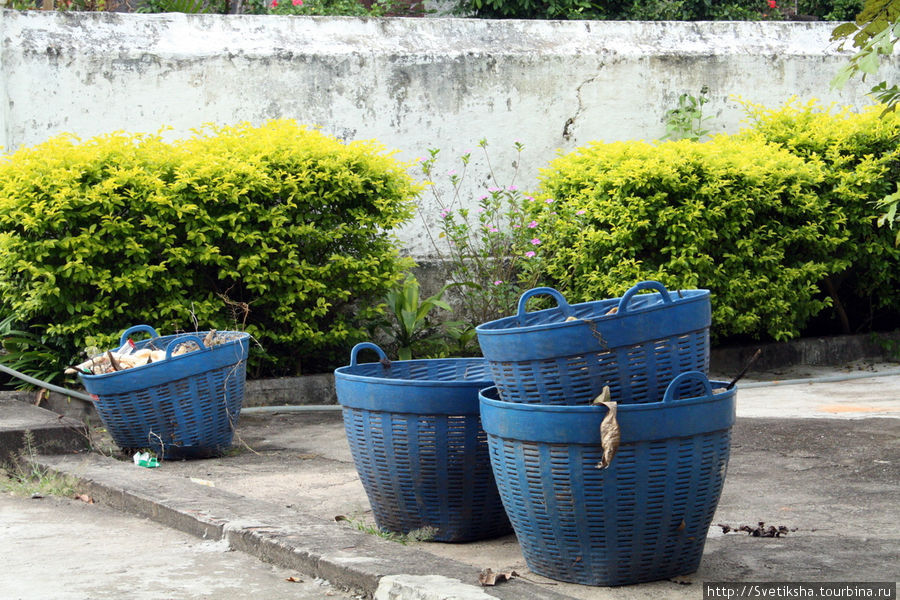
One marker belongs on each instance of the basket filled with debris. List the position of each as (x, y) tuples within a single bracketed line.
[(179, 395)]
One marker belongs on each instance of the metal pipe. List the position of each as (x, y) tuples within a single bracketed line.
[(45, 385)]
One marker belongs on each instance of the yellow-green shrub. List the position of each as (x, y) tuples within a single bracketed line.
[(121, 229), (742, 218), (778, 221), (860, 156)]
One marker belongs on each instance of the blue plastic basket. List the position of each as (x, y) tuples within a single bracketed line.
[(415, 435), (635, 344), (186, 406), (643, 518)]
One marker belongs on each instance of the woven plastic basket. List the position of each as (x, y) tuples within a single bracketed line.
[(635, 344), (643, 518), (186, 406), (416, 439)]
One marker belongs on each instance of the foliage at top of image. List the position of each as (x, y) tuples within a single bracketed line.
[(278, 230), (619, 10), (664, 10), (351, 8), (874, 32)]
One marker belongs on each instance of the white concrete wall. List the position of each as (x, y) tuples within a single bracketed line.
[(410, 83)]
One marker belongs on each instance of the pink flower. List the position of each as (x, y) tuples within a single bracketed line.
[(512, 188), (445, 214), (297, 2), (536, 242), (484, 197), (549, 201), (493, 230), (529, 198), (772, 4), (498, 282), (517, 226), (580, 212), (530, 253), (480, 210), (533, 224), (274, 3)]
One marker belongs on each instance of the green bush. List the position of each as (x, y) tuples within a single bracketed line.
[(779, 222), (278, 230), (741, 218), (860, 155), (664, 10)]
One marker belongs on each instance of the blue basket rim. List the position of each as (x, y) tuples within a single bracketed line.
[(244, 337), (591, 409), (509, 325), (346, 373)]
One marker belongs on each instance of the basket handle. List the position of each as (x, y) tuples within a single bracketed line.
[(643, 285), (382, 357), (560, 301), (180, 341), (669, 396), (127, 333)]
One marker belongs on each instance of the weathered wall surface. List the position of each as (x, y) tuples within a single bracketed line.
[(410, 83)]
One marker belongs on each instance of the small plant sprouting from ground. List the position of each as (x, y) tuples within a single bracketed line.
[(24, 477), (423, 534), (686, 121), (411, 323)]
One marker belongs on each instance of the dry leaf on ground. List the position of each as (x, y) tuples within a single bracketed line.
[(488, 577)]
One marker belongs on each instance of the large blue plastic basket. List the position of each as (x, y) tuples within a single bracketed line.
[(186, 406), (415, 435), (643, 518), (635, 344)]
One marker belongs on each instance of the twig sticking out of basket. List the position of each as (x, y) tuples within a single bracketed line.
[(745, 369)]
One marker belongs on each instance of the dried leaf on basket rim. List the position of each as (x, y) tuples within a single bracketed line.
[(610, 434)]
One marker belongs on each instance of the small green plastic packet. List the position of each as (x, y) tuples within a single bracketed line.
[(143, 459)]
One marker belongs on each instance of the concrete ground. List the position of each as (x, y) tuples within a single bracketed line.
[(65, 548), (819, 457)]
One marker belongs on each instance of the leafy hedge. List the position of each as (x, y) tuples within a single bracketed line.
[(770, 221), (664, 10), (279, 230), (860, 158)]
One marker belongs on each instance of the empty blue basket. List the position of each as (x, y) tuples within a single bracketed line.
[(415, 435), (635, 344), (643, 518), (186, 406)]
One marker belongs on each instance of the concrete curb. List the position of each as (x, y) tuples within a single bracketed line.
[(48, 432), (288, 538)]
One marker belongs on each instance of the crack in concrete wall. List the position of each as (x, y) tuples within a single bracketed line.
[(567, 133)]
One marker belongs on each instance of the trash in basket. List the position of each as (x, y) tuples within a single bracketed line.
[(635, 344), (183, 406)]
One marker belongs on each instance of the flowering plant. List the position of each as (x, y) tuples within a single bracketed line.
[(494, 250), (352, 8)]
